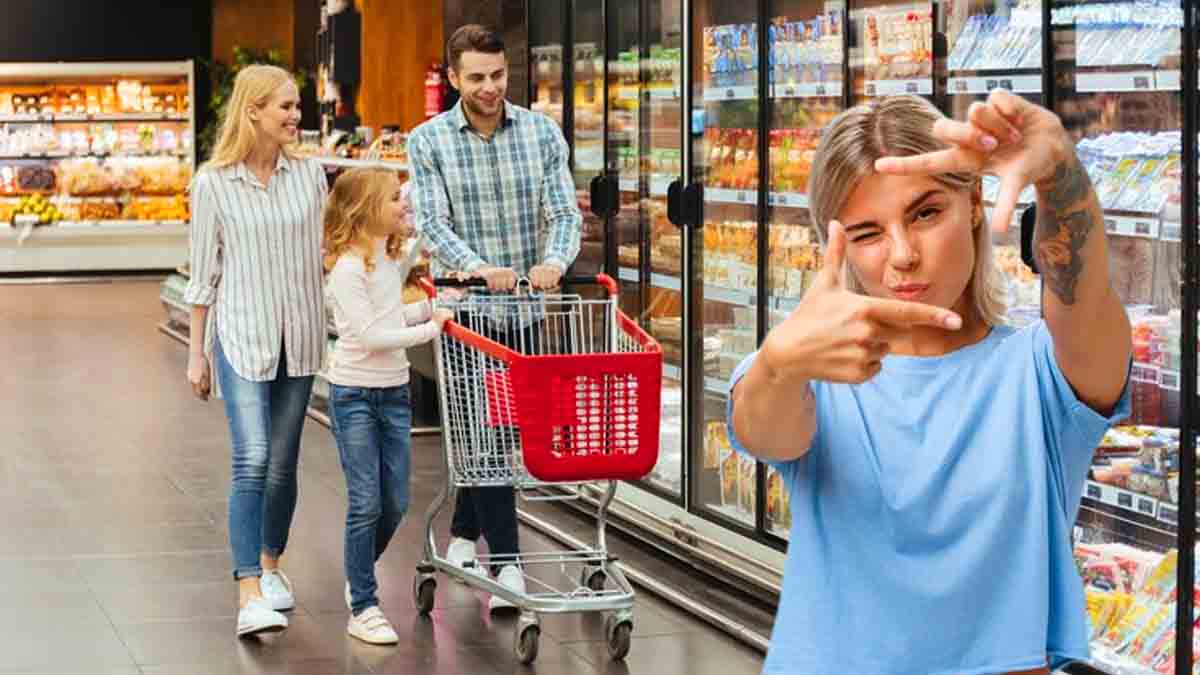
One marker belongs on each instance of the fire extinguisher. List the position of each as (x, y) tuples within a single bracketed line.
[(435, 91)]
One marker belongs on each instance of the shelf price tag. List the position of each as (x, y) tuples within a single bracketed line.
[(1168, 514), (1145, 505), (1169, 379), (1145, 373)]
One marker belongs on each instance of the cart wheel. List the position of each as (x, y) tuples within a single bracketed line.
[(594, 578), (425, 592), (619, 640), (527, 644)]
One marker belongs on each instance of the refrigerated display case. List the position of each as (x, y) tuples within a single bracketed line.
[(709, 232), (95, 161)]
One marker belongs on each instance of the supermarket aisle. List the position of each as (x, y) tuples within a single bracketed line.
[(113, 559)]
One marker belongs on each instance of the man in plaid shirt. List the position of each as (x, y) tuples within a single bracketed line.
[(493, 197)]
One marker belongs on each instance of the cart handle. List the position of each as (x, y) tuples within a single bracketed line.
[(430, 286)]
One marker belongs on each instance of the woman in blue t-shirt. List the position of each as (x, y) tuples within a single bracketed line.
[(935, 457)]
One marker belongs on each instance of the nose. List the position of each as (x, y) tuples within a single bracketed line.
[(903, 254)]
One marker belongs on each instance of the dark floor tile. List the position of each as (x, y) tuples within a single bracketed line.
[(151, 569), (127, 540), (138, 603), (45, 606), (22, 575), (691, 653), (92, 647)]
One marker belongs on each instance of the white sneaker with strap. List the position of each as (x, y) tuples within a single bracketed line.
[(277, 589), (372, 627)]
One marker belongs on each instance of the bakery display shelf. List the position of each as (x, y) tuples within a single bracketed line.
[(54, 156), (97, 229), (76, 118), (348, 163)]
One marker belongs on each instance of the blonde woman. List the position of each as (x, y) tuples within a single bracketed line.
[(935, 457), (256, 263)]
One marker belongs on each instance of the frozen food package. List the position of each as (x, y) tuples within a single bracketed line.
[(1141, 183)]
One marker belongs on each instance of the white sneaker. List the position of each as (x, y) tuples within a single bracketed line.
[(372, 627), (258, 617), (511, 578), (277, 589), (462, 551)]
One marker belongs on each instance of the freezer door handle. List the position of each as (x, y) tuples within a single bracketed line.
[(685, 204)]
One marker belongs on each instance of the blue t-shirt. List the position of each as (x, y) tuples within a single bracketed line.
[(931, 517)]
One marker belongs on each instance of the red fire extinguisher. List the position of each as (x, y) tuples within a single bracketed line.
[(435, 90)]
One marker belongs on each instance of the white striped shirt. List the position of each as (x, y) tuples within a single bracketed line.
[(256, 256)]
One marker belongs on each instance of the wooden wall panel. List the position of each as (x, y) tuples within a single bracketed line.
[(259, 24), (400, 39)]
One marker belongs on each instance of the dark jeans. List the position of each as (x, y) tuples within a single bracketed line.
[(373, 430), (265, 421), (492, 511)]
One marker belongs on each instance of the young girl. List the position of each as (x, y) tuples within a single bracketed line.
[(366, 223)]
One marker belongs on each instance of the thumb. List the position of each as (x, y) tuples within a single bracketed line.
[(835, 255)]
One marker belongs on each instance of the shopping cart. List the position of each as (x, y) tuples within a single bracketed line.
[(576, 400)]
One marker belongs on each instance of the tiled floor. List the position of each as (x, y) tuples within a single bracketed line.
[(113, 556)]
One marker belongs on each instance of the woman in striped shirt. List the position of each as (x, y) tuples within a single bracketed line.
[(256, 261)]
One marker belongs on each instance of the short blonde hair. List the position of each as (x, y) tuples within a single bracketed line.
[(896, 126), (355, 208), (254, 85)]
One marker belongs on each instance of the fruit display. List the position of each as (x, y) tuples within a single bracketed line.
[(99, 210), (40, 206), (124, 96)]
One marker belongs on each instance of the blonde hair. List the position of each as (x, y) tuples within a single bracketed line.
[(354, 210), (896, 126), (254, 85)]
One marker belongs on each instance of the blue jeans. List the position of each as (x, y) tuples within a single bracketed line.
[(373, 430), (265, 421)]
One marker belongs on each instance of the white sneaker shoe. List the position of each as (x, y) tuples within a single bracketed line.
[(511, 578), (462, 551), (277, 589), (372, 627), (258, 617)]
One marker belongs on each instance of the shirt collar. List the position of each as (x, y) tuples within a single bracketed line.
[(462, 124), (242, 172)]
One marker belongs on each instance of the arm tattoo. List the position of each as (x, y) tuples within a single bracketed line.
[(1062, 231)]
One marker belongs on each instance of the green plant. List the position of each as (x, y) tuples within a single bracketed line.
[(222, 76)]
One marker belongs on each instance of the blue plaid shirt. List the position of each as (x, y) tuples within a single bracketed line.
[(508, 201)]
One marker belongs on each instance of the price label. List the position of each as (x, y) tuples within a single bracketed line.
[(910, 87), (960, 85), (789, 92), (870, 89), (1125, 499), (1142, 372), (1169, 379), (1168, 514), (1142, 82), (1146, 506), (743, 198), (729, 94), (1093, 491), (821, 90)]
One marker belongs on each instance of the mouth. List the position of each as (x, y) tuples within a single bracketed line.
[(909, 291), (291, 129)]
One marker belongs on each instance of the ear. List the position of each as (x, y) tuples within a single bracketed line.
[(252, 112), (452, 75)]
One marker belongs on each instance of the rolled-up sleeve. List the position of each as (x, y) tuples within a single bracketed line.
[(205, 236)]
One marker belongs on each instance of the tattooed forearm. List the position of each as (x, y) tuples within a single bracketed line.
[(1063, 228)]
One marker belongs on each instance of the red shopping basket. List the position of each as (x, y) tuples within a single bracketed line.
[(580, 416)]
